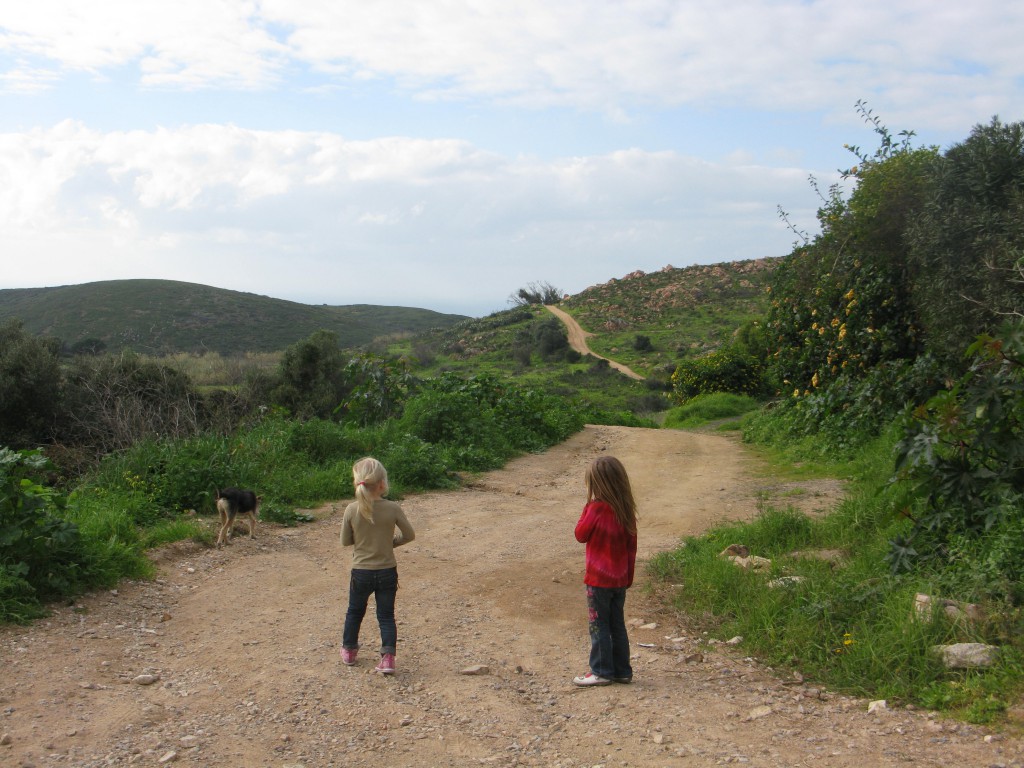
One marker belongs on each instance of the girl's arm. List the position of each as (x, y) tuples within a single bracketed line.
[(586, 524), (347, 535), (405, 531)]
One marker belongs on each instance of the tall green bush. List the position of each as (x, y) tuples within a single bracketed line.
[(726, 370), (41, 554), (966, 241), (30, 387), (963, 451)]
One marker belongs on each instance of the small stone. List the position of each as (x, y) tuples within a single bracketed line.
[(652, 625), (476, 669), (878, 706), (660, 738), (168, 757), (6, 739), (407, 720), (759, 712), (145, 679), (694, 658), (735, 641)]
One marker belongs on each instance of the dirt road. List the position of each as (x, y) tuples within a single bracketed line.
[(243, 645), (578, 340)]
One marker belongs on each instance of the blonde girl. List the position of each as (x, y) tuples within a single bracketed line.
[(369, 528), (608, 528)]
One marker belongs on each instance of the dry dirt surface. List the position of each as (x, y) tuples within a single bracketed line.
[(238, 649)]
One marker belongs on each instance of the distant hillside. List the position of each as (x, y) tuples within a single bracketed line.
[(166, 316), (642, 299), (681, 311)]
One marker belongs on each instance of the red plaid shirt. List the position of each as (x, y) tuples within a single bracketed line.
[(611, 550)]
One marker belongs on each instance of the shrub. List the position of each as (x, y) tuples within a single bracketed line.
[(41, 554), (726, 370), (642, 343), (963, 451), (30, 386)]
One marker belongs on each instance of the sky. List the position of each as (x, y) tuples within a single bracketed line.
[(445, 153)]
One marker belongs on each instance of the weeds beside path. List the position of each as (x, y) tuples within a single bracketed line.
[(243, 645)]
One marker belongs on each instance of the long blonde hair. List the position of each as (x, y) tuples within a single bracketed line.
[(366, 474), (607, 481)]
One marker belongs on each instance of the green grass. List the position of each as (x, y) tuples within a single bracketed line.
[(704, 409), (847, 624)]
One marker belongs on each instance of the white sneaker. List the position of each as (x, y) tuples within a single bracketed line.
[(590, 679)]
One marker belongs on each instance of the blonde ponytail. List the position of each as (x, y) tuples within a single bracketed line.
[(368, 474)]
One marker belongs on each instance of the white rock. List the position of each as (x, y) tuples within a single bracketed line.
[(477, 669), (878, 706), (145, 679), (758, 712), (967, 655)]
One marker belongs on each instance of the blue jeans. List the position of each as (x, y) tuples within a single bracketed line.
[(609, 641), (383, 585)]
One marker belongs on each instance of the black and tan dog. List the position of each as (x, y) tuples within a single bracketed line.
[(232, 502)]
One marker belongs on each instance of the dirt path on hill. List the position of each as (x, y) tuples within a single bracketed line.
[(243, 645), (578, 340)]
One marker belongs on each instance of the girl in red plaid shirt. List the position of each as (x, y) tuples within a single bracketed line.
[(608, 528)]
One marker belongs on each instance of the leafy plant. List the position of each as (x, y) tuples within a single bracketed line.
[(727, 370), (41, 554), (963, 450)]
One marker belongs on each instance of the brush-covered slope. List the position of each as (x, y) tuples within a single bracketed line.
[(166, 316)]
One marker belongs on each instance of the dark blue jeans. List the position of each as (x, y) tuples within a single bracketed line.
[(609, 641), (383, 585)]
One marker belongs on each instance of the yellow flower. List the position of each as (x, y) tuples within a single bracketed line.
[(796, 392), (848, 295), (814, 379)]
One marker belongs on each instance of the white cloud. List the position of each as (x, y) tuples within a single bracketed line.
[(593, 54), (454, 192), (425, 215)]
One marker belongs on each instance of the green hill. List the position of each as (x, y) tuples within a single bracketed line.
[(682, 311), (166, 316)]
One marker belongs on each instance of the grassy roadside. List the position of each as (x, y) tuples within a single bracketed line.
[(825, 603)]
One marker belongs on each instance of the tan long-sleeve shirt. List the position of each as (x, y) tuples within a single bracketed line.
[(374, 543)]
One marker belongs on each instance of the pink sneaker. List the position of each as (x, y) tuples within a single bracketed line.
[(387, 664), (348, 655)]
